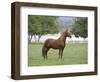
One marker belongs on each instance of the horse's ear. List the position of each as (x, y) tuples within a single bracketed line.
[(66, 30)]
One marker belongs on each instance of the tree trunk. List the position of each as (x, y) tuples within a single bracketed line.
[(39, 36), (34, 37), (29, 38)]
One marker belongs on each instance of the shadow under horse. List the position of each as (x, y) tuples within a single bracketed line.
[(56, 44)]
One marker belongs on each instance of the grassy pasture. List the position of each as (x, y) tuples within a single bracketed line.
[(74, 53)]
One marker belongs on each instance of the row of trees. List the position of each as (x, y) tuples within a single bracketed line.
[(80, 27), (41, 25)]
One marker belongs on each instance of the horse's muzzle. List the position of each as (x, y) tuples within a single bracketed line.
[(70, 36)]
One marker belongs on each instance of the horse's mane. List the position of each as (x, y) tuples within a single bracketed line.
[(63, 35)]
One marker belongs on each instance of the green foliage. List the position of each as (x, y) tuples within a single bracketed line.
[(80, 27), (40, 25)]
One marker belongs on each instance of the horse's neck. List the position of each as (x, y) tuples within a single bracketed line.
[(62, 38)]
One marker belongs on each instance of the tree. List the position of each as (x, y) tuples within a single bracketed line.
[(80, 27), (40, 25)]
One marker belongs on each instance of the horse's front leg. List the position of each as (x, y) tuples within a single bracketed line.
[(62, 52), (59, 53)]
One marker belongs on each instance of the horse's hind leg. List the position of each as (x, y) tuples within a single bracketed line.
[(46, 57), (43, 54)]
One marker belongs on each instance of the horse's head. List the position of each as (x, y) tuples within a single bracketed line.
[(67, 33)]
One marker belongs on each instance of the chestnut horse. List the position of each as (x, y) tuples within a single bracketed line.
[(55, 44)]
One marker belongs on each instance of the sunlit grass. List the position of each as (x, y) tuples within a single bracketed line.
[(75, 53)]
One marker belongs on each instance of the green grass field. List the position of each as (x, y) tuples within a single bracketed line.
[(73, 54)]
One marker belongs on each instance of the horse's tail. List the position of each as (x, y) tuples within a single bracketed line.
[(43, 52)]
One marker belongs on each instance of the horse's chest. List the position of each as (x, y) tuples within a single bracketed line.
[(61, 45)]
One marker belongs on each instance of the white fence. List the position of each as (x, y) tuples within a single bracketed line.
[(73, 39)]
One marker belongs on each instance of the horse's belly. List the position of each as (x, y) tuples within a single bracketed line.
[(57, 46)]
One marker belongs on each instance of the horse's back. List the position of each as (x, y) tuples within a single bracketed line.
[(48, 42)]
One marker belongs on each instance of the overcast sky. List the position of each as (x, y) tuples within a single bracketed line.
[(66, 21)]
